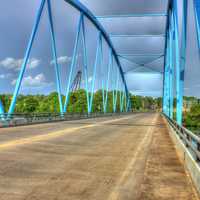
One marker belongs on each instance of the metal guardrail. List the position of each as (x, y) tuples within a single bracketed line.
[(190, 140), (35, 118)]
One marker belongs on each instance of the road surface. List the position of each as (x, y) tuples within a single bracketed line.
[(121, 158)]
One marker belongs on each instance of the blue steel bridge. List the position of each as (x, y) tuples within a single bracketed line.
[(118, 155)]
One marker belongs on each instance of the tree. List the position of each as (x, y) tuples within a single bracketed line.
[(192, 118)]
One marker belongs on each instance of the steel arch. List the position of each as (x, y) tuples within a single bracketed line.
[(83, 9), (102, 33)]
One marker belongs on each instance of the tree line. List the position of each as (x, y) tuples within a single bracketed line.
[(77, 102)]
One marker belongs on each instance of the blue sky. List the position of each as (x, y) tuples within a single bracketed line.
[(16, 20)]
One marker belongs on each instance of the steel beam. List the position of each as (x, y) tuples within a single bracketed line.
[(164, 101), (54, 51), (144, 63), (85, 62), (136, 36), (108, 79), (78, 5), (166, 79), (132, 15), (171, 68), (143, 67), (26, 57), (94, 70), (197, 19), (101, 67), (140, 55), (74, 58), (180, 65), (115, 93), (183, 55), (1, 110)]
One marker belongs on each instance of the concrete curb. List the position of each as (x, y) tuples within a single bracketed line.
[(186, 157)]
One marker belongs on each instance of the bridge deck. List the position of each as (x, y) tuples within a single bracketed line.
[(131, 157)]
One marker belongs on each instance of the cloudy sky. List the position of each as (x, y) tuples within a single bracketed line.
[(16, 20)]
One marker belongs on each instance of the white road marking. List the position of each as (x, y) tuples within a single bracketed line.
[(126, 174)]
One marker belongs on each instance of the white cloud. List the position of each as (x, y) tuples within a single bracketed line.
[(90, 79), (15, 64), (33, 63), (37, 81), (62, 60), (4, 76)]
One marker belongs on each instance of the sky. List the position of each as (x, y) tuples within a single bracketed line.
[(16, 21)]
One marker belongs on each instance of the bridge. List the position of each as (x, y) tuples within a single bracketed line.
[(105, 150)]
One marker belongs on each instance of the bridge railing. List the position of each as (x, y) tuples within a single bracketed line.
[(8, 120), (189, 139)]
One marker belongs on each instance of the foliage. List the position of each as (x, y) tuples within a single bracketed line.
[(77, 102), (146, 103), (192, 118)]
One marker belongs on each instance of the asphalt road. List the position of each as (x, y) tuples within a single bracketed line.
[(121, 158)]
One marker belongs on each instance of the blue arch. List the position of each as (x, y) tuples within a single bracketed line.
[(78, 5)]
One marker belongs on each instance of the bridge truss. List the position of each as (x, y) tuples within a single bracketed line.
[(120, 91), (173, 53), (174, 56)]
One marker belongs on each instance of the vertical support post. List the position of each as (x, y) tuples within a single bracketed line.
[(180, 67), (1, 110), (94, 71), (183, 54), (128, 105), (101, 76), (197, 19), (54, 51), (26, 57), (108, 78), (115, 94), (166, 79), (74, 57), (177, 58), (164, 86), (123, 100), (171, 30), (120, 100), (85, 62), (164, 100)]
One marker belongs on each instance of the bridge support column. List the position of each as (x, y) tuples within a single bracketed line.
[(183, 52), (197, 18), (180, 66), (166, 96), (171, 67)]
